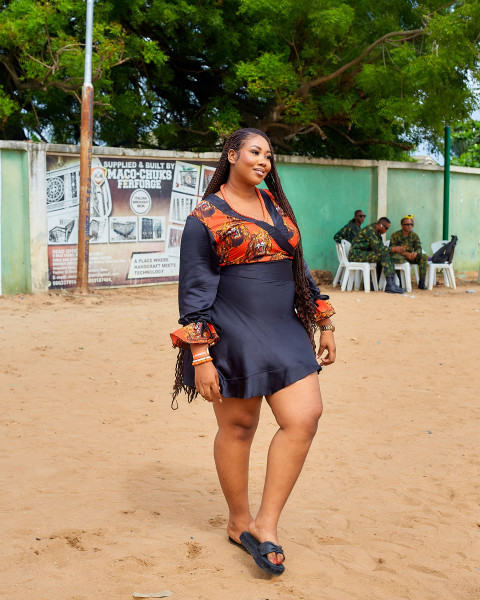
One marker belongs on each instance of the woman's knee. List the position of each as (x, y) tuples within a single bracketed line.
[(304, 423), (298, 407), (242, 428), (243, 431), (311, 422), (238, 420)]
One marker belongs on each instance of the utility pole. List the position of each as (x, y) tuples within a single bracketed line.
[(86, 134), (446, 184)]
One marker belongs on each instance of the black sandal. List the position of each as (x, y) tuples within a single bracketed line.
[(259, 553)]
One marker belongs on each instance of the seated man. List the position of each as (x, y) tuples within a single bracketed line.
[(368, 246), (413, 249), (350, 230)]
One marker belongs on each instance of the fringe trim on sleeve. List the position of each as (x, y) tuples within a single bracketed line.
[(179, 386)]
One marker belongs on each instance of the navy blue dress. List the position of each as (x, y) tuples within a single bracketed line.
[(237, 292)]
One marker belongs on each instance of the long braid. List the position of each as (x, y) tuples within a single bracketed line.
[(303, 301)]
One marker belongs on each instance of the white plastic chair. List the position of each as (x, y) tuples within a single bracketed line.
[(415, 269), (341, 267), (404, 277), (404, 274), (416, 272), (447, 268), (352, 269)]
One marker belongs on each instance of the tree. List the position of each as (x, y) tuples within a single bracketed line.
[(356, 76), (41, 70), (334, 78), (466, 144)]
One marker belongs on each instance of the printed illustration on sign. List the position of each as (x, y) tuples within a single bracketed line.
[(187, 178), (181, 205), (205, 178), (100, 201), (123, 229), (63, 185), (174, 239), (62, 227), (98, 231), (101, 198), (152, 229)]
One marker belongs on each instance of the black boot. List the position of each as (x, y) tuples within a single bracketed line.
[(391, 287), (421, 283)]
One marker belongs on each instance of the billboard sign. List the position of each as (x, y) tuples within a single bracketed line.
[(138, 209)]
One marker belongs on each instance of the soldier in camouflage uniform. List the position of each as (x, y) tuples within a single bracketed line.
[(413, 254), (368, 246), (351, 228)]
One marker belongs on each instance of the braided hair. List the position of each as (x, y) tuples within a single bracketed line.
[(303, 301)]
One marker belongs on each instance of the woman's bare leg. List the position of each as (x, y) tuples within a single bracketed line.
[(237, 420), (297, 409)]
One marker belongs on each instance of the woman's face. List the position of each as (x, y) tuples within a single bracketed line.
[(252, 163)]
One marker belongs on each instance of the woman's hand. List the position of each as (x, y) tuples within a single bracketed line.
[(327, 342), (207, 383)]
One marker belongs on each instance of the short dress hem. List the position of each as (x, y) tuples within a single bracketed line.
[(266, 383)]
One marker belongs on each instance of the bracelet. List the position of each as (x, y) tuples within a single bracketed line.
[(201, 361), (329, 327), (201, 354)]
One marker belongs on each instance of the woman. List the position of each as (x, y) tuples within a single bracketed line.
[(249, 306)]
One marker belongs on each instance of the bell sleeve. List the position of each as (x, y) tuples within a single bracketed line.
[(323, 308), (197, 286)]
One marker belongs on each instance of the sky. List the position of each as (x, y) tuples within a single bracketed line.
[(422, 150)]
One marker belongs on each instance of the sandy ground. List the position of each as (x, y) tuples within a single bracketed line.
[(105, 491)]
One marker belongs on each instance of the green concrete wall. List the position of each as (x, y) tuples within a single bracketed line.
[(465, 220), (421, 193), (324, 198), (15, 235)]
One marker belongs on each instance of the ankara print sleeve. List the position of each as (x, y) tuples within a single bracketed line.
[(197, 286), (323, 308)]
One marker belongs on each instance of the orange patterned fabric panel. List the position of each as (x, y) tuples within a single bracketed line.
[(240, 242), (324, 310), (194, 333)]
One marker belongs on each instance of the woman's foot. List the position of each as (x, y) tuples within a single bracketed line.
[(259, 551), (265, 534), (235, 528)]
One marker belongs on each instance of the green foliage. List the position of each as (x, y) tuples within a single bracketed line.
[(7, 105), (351, 78), (466, 144)]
